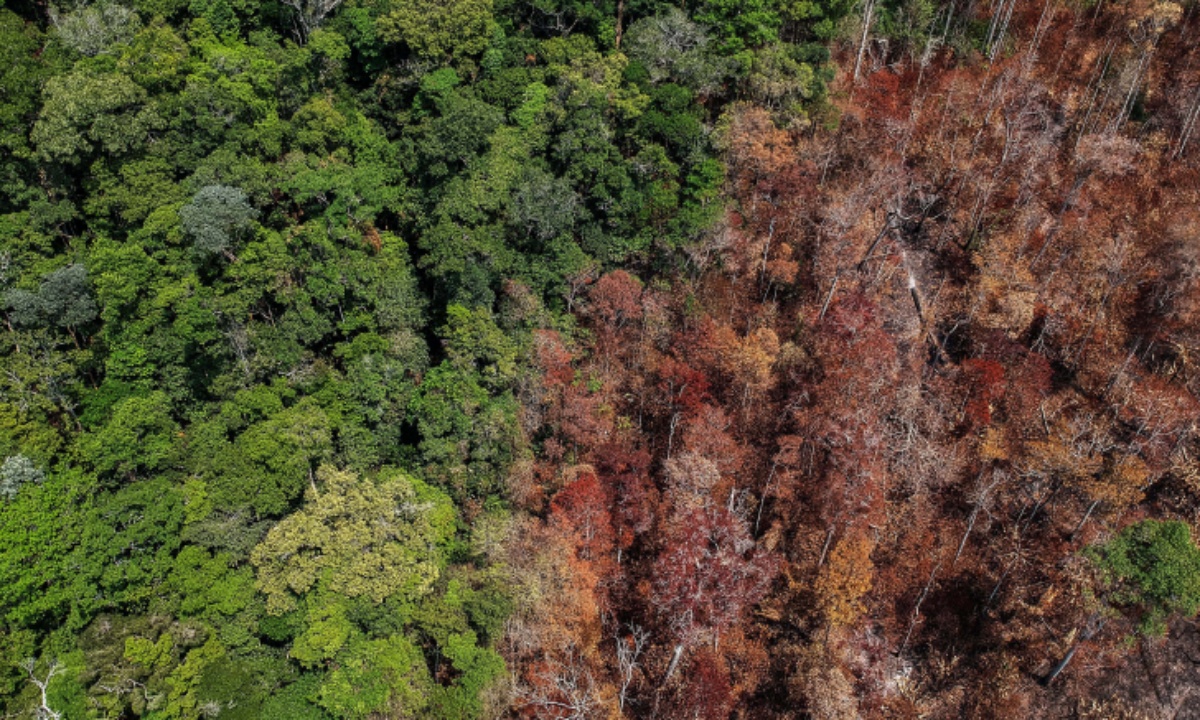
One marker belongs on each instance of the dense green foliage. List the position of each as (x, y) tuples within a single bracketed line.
[(1152, 569), (268, 280)]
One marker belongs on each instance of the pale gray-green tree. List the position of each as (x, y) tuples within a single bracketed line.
[(215, 218), (17, 471), (94, 29)]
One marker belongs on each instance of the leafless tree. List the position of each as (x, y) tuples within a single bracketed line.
[(43, 711), (629, 652), (565, 690), (310, 14), (868, 11)]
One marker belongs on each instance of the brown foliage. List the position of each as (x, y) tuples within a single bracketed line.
[(950, 342)]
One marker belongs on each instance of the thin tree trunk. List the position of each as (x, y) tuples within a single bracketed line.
[(1098, 81), (620, 19), (1131, 96), (1189, 124), (887, 226), (868, 11), (763, 500), (828, 298), (762, 273), (917, 608), (1062, 665), (1039, 33), (1121, 370), (671, 435), (1086, 515), (825, 548), (825, 165), (996, 589), (916, 298), (1036, 507), (1003, 29), (962, 544), (1150, 673), (674, 663), (946, 27)]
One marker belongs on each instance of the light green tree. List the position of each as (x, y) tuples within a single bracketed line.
[(374, 676), (156, 57), (87, 112), (358, 538), (452, 29), (474, 342), (38, 529), (777, 79)]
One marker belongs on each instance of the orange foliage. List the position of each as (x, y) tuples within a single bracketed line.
[(845, 579)]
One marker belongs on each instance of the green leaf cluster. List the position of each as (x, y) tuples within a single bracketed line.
[(1151, 569)]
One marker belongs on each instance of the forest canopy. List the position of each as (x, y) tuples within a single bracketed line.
[(565, 359)]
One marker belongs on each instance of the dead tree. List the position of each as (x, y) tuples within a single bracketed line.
[(43, 711), (629, 652), (310, 14), (868, 11)]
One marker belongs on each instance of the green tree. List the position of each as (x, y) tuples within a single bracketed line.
[(208, 586), (39, 530), (265, 468), (127, 546), (156, 57), (778, 79), (232, 97), (474, 343), (137, 440), (25, 66), (456, 129), (543, 207), (133, 192), (478, 666), (377, 676), (1152, 568), (41, 386), (468, 436), (741, 24), (819, 18), (296, 701)]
